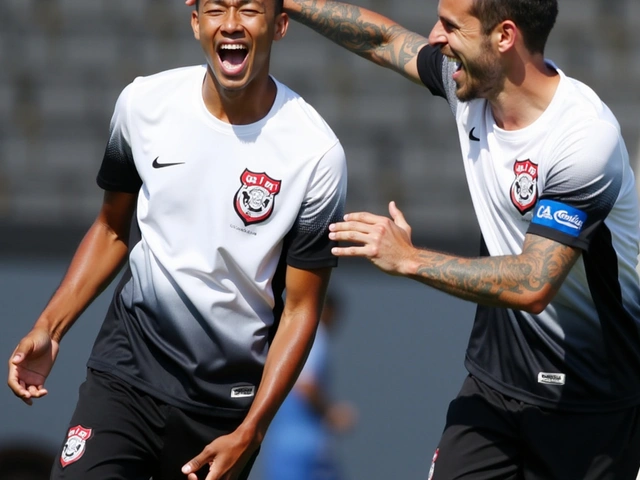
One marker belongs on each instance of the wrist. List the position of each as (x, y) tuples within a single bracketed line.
[(251, 433)]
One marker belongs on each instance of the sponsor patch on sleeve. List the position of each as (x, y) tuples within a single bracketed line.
[(560, 217)]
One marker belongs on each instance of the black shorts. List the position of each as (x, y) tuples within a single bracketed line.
[(489, 436), (118, 432)]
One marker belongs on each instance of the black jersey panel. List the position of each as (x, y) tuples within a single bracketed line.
[(309, 246), (118, 171), (430, 61), (619, 329)]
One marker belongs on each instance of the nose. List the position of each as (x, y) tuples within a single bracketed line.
[(232, 21), (438, 34)]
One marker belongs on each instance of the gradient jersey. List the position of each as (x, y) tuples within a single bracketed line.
[(565, 177), (221, 211)]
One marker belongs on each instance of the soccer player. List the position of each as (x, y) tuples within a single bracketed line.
[(220, 185), (553, 359)]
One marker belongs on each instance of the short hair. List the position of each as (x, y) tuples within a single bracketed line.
[(534, 18), (279, 4)]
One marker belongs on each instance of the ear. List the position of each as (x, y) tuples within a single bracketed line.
[(506, 34), (195, 24), (282, 25)]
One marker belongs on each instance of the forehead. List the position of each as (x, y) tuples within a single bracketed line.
[(454, 8)]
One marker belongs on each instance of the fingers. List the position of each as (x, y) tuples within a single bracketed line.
[(195, 464)]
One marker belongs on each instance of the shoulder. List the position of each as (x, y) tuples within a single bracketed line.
[(582, 106), (304, 118)]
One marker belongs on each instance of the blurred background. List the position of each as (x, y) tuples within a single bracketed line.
[(397, 355)]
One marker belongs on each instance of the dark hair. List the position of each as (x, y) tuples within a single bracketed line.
[(279, 5), (535, 18)]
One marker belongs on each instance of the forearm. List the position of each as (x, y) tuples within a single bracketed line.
[(359, 30), (285, 360), (96, 262), (524, 282)]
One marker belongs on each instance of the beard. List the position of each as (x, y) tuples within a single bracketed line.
[(483, 76)]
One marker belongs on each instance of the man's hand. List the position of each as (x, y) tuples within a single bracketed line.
[(226, 457), (190, 2), (385, 241), (30, 365)]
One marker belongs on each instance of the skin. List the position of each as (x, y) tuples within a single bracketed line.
[(518, 93), (243, 97), (339, 416)]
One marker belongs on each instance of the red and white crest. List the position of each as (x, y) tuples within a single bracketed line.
[(255, 198), (75, 445), (433, 464), (524, 189)]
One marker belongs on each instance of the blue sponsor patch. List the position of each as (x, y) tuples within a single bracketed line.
[(560, 217)]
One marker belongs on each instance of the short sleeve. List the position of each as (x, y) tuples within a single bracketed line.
[(309, 245), (118, 171), (582, 186)]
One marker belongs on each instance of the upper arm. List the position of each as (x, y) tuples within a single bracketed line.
[(581, 186), (547, 264), (116, 213), (305, 291), (400, 52)]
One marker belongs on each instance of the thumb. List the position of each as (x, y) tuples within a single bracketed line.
[(23, 350), (194, 464), (398, 217)]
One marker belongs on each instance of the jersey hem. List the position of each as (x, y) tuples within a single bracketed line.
[(211, 411), (524, 396)]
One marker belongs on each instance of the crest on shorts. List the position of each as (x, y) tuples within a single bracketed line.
[(524, 189), (433, 463), (255, 198), (75, 445)]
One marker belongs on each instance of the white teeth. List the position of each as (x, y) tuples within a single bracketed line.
[(233, 46)]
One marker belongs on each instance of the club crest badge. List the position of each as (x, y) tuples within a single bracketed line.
[(75, 445), (524, 189), (255, 199), (433, 464)]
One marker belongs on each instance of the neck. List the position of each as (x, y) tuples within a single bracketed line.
[(239, 106), (527, 92)]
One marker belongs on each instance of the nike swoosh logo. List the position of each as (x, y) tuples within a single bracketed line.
[(472, 137), (155, 164)]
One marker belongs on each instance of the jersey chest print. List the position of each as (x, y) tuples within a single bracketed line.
[(254, 201), (524, 189)]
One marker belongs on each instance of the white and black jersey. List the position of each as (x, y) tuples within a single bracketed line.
[(565, 177), (221, 211)]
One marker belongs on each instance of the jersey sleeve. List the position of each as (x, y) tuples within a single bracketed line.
[(436, 72), (118, 171), (581, 187), (309, 245)]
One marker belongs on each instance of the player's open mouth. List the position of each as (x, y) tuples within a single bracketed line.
[(232, 57), (457, 63)]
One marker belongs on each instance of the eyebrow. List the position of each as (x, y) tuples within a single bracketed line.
[(223, 2), (448, 21)]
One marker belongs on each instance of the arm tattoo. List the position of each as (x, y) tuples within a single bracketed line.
[(347, 26), (486, 280)]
